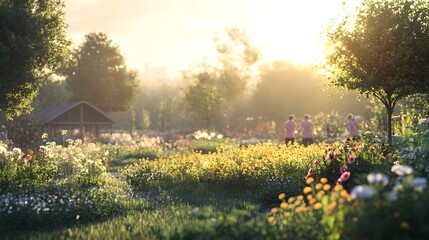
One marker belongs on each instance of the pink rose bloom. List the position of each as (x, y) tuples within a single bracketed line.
[(344, 177), (351, 159), (343, 169)]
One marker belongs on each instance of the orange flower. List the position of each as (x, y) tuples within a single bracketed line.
[(274, 210), (332, 205), (317, 206), (307, 190), (309, 180), (326, 187), (338, 187)]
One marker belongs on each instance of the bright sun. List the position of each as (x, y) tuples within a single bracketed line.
[(293, 30)]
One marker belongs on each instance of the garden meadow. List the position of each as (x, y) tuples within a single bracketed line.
[(235, 179), (208, 185)]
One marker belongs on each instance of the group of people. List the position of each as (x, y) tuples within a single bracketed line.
[(307, 129)]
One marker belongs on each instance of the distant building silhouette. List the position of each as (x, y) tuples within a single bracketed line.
[(155, 73)]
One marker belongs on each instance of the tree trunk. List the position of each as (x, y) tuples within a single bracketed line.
[(389, 124)]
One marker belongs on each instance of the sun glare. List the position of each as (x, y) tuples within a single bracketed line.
[(292, 29)]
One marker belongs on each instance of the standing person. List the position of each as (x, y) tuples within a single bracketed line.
[(352, 126), (289, 127), (307, 131)]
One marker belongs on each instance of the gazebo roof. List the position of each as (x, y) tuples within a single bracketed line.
[(70, 114)]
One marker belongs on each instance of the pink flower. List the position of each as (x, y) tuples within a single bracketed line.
[(344, 177), (336, 154), (315, 163), (343, 169), (351, 159), (328, 156), (309, 173), (383, 157)]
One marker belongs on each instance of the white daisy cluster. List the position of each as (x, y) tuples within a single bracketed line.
[(43, 202), (378, 181), (206, 135)]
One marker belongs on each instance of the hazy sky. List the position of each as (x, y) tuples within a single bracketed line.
[(178, 33)]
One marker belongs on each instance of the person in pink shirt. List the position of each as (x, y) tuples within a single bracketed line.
[(307, 131), (289, 127), (352, 126)]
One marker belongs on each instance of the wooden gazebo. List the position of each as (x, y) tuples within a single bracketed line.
[(81, 116)]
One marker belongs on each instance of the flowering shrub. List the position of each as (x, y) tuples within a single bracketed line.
[(54, 206), (57, 182), (380, 209), (348, 162), (206, 135), (390, 209), (318, 213)]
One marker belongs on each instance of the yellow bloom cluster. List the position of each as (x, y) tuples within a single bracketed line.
[(247, 164), (319, 199)]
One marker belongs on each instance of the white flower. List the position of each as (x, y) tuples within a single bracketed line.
[(3, 150), (17, 150), (402, 170), (378, 179), (419, 183), (362, 192)]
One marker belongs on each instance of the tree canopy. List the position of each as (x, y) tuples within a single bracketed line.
[(221, 86), (33, 43), (285, 88), (204, 100), (98, 74), (381, 51)]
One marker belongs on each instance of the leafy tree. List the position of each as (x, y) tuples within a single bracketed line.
[(144, 119), (33, 43), (203, 100), (223, 83), (237, 58), (98, 74), (381, 51), (51, 92), (419, 103), (284, 88)]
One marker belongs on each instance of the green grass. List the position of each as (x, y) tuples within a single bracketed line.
[(158, 214)]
